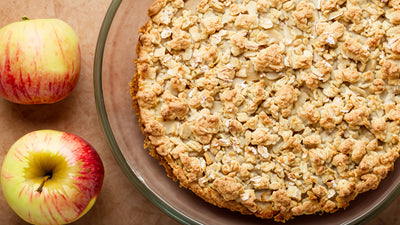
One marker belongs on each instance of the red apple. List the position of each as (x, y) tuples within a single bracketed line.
[(51, 177), (39, 61)]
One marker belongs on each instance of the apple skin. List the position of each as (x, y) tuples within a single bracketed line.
[(40, 61), (76, 178)]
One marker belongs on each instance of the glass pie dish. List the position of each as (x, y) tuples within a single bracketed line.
[(113, 70)]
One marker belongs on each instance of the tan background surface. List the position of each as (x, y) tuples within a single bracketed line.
[(119, 202)]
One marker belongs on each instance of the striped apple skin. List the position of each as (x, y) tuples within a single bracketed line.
[(40, 61), (77, 174)]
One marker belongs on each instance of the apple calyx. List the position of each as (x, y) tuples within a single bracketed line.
[(25, 18), (40, 188)]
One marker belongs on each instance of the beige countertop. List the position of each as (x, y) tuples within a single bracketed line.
[(119, 202)]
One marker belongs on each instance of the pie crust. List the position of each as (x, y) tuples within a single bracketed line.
[(275, 108)]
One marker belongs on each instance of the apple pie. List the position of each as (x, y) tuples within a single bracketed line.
[(274, 108)]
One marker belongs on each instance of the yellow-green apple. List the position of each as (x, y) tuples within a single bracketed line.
[(51, 177), (39, 61)]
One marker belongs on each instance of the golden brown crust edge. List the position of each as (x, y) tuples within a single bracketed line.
[(211, 195), (207, 194)]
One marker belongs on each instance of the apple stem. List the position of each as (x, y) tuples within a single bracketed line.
[(25, 18), (40, 188)]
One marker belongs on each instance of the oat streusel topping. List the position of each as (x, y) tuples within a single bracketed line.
[(275, 108)]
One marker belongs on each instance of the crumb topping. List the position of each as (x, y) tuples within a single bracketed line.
[(272, 108)]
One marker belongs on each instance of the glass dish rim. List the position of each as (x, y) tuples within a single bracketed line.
[(146, 191), (106, 127)]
